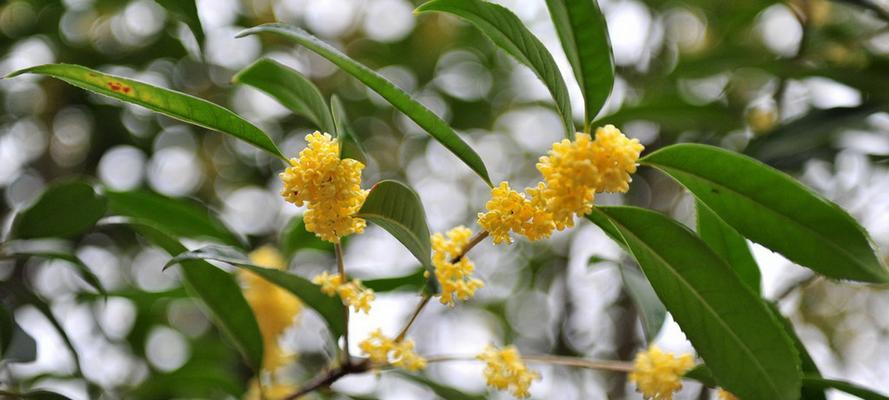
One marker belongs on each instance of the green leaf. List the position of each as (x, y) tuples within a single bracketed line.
[(295, 237), (730, 327), (584, 36), (219, 292), (33, 395), (27, 249), (417, 112), (853, 389), (729, 244), (350, 147), (651, 310), (187, 12), (291, 89), (45, 309), (178, 217), (443, 391), (330, 308), (509, 33), (64, 210), (410, 282), (774, 210), (16, 345), (807, 364), (396, 208), (171, 103)]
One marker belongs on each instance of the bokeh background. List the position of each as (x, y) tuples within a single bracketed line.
[(802, 85)]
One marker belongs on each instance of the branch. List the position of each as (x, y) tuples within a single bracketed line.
[(341, 268), (602, 365)]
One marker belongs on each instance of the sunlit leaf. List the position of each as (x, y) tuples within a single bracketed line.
[(508, 32), (584, 36), (774, 210), (291, 89), (72, 207), (330, 308), (729, 244), (730, 327), (178, 105), (417, 112)]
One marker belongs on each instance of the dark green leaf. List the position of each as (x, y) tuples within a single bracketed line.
[(729, 244), (851, 388), (291, 89), (174, 104), (417, 112), (350, 147), (295, 237), (330, 308), (33, 395), (730, 327), (509, 33), (176, 216), (410, 282), (807, 364), (25, 249), (650, 308), (443, 391), (187, 12), (774, 210), (396, 208), (64, 210), (16, 346), (584, 36)]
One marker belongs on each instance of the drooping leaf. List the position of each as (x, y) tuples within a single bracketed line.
[(651, 310), (396, 208), (178, 105), (508, 32), (410, 282), (850, 388), (774, 210), (330, 308), (16, 345), (187, 12), (350, 147), (295, 237), (417, 112), (729, 244), (730, 327), (291, 89), (584, 36), (72, 207), (177, 217), (25, 249), (219, 293)]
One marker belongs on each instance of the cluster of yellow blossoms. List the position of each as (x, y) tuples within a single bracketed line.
[(505, 370), (275, 310), (382, 350), (455, 278), (352, 293), (328, 185), (725, 395), (658, 374), (573, 172)]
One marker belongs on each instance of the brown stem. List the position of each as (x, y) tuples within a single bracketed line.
[(328, 378), (341, 268), (603, 365)]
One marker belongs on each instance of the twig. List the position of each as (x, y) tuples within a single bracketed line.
[(420, 306), (799, 283), (341, 268), (602, 365), (328, 378)]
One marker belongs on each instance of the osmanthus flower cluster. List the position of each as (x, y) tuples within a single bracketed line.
[(505, 370), (382, 350), (452, 268), (658, 374), (352, 293), (573, 172)]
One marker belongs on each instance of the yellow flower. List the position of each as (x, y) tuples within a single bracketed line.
[(725, 395), (505, 370), (658, 374), (615, 156), (509, 210), (570, 178), (328, 185), (455, 278), (382, 350), (352, 293), (274, 307)]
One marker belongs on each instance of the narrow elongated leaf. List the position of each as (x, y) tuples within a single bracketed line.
[(187, 12), (396, 208), (72, 207), (851, 388), (350, 147), (295, 237), (410, 282), (584, 36), (417, 112), (178, 217), (742, 343), (330, 308), (807, 364), (291, 89), (22, 249), (220, 294), (774, 210), (651, 310), (178, 105), (508, 32), (729, 244)]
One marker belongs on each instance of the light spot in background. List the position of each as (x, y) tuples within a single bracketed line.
[(104, 264), (388, 20), (376, 254), (35, 50), (186, 316), (225, 50), (16, 17), (122, 167), (402, 77), (256, 105), (535, 129), (460, 331), (444, 201), (215, 14), (24, 190), (779, 30), (251, 210), (71, 136), (460, 74), (115, 316), (331, 18), (628, 26), (685, 28), (826, 93), (148, 273), (174, 171), (52, 355), (166, 349)]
